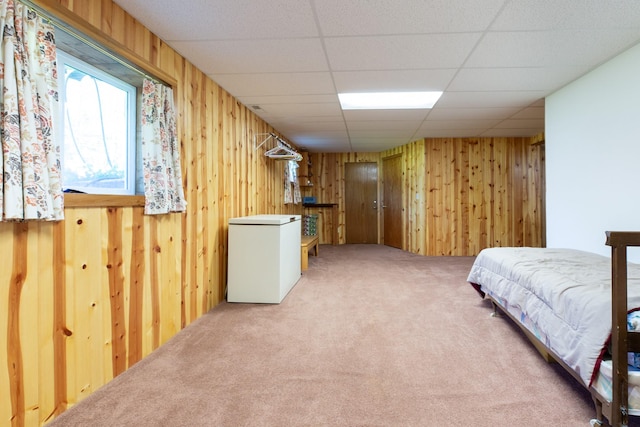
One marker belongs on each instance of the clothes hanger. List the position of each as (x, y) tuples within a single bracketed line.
[(282, 151)]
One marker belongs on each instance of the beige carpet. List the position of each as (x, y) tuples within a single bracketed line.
[(370, 336)]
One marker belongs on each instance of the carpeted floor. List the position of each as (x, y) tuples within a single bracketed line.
[(369, 336)]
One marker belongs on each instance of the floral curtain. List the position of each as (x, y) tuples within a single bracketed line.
[(160, 152), (30, 184)]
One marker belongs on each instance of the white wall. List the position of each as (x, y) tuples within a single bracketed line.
[(592, 145)]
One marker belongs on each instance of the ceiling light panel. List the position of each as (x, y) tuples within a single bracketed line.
[(388, 100)]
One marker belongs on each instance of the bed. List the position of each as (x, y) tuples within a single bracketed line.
[(566, 302)]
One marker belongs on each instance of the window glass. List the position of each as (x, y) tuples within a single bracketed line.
[(98, 129)]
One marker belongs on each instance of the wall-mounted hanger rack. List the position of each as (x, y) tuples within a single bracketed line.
[(282, 150)]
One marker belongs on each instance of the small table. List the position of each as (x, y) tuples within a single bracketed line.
[(306, 243)]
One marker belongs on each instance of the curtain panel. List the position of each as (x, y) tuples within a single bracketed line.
[(162, 174), (292, 192), (30, 185)]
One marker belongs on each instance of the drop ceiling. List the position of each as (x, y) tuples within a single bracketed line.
[(495, 60)]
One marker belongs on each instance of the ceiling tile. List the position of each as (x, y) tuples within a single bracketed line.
[(366, 17), (520, 124), (397, 52), (320, 135), (472, 113), (302, 110), (259, 56), (224, 19), (371, 115), (511, 132), (406, 133), (356, 125), (318, 122), (288, 99), (338, 142), (301, 126), (488, 99), (584, 48), (282, 84), (530, 113), (457, 124), (327, 146), (451, 133), (393, 80), (544, 15), (376, 144), (512, 79)]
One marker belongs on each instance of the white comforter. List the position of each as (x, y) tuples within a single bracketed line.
[(565, 295)]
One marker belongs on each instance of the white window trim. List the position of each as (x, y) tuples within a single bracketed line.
[(130, 168)]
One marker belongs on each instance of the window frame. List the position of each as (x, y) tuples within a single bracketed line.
[(130, 169)]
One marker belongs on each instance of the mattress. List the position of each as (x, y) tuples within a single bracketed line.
[(562, 296), (603, 384), (603, 378)]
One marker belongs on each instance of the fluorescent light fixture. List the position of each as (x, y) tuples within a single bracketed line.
[(388, 100)]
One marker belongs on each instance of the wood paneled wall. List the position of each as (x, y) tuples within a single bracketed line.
[(83, 299), (328, 187), (462, 194)]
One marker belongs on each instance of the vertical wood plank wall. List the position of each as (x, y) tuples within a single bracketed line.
[(83, 299), (465, 194), (461, 194), (328, 187)]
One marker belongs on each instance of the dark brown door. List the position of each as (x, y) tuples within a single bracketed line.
[(361, 202), (392, 201)]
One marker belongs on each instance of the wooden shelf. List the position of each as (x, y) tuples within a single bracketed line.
[(334, 217)]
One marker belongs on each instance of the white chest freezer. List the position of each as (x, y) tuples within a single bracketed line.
[(264, 258)]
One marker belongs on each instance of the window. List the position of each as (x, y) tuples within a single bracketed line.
[(98, 127), (100, 92)]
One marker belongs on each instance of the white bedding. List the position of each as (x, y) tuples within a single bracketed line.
[(562, 295), (603, 384)]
